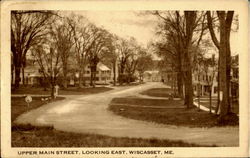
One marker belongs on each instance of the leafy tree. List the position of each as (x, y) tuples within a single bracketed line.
[(144, 63), (182, 30), (82, 40), (28, 28), (111, 56), (48, 58), (63, 36), (124, 51), (101, 40)]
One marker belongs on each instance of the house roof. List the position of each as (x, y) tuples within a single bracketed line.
[(152, 72), (35, 74), (102, 67)]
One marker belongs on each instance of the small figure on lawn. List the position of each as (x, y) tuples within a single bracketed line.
[(28, 100), (56, 91)]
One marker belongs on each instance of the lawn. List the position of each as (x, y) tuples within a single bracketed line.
[(158, 92), (19, 106), (30, 136), (205, 102), (68, 91), (162, 111)]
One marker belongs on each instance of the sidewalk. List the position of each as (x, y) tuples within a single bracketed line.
[(201, 106)]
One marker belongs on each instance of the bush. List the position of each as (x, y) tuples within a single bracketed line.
[(126, 78), (229, 119)]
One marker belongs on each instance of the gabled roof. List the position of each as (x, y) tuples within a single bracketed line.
[(102, 67)]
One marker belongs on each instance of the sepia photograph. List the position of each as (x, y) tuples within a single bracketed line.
[(117, 83)]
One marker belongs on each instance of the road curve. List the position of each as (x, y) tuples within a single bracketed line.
[(89, 114)]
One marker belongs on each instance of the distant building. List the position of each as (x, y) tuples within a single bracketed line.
[(200, 82), (152, 76), (34, 76), (235, 77), (103, 74)]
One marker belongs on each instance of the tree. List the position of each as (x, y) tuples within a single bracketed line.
[(144, 63), (27, 30), (132, 61), (124, 51), (101, 40), (63, 35), (223, 45), (111, 56), (183, 27), (82, 40), (48, 58), (170, 63)]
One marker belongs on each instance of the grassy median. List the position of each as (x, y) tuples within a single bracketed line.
[(33, 136), (158, 92), (163, 111)]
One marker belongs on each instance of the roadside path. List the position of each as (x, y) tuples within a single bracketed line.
[(89, 114)]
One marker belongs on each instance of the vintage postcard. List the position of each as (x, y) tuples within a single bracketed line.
[(120, 79)]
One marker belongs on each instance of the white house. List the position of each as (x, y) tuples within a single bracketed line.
[(200, 82), (103, 74), (32, 75)]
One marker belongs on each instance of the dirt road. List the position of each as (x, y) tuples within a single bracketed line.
[(89, 114)]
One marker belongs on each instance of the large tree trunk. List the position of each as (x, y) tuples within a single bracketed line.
[(80, 78), (188, 89), (180, 84), (190, 17), (65, 80), (93, 75), (225, 20), (218, 89), (17, 76), (121, 75), (114, 71), (52, 89), (12, 74), (23, 76), (180, 75), (225, 55), (228, 70), (210, 99)]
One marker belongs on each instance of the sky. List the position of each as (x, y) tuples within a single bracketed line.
[(135, 24), (125, 23)]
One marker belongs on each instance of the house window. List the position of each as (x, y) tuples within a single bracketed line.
[(215, 89), (87, 78)]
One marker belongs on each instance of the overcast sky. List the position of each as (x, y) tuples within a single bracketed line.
[(133, 23), (125, 23)]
